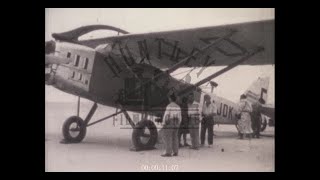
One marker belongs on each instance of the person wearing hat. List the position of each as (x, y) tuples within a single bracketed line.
[(244, 113), (208, 111), (171, 122)]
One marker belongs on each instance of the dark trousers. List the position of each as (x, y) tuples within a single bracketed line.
[(207, 123), (180, 133), (183, 130), (256, 126)]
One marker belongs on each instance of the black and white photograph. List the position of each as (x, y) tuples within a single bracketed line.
[(159, 90)]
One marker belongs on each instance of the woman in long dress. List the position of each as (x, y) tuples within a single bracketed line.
[(244, 123)]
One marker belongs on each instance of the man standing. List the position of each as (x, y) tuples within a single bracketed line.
[(171, 120), (184, 129), (256, 117), (194, 121), (208, 111), (244, 123)]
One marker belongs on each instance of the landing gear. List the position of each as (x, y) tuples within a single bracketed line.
[(74, 130), (145, 135)]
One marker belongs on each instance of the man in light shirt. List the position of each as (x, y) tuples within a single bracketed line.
[(171, 123), (208, 111)]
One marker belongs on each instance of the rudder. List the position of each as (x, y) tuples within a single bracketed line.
[(258, 89)]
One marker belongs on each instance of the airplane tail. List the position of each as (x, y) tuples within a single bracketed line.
[(258, 89)]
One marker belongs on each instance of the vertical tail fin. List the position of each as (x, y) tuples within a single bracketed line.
[(258, 89)]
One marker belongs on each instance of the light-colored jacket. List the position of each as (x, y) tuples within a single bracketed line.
[(245, 106), (172, 115)]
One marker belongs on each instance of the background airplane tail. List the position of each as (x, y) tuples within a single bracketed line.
[(258, 89)]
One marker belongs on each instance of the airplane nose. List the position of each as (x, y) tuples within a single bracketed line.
[(50, 57), (50, 47)]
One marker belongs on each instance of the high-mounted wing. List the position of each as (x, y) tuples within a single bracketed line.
[(164, 49)]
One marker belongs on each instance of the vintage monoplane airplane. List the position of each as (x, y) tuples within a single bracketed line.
[(132, 71)]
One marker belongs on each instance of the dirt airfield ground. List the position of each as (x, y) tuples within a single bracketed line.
[(106, 148)]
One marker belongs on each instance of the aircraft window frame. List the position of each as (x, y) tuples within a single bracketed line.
[(77, 61), (80, 77), (85, 63)]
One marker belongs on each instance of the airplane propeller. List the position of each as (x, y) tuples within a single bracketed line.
[(50, 48)]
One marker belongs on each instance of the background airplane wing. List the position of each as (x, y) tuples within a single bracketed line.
[(163, 49)]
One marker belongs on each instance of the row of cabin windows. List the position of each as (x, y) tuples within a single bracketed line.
[(77, 61), (79, 77)]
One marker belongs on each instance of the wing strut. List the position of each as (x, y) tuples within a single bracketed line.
[(231, 66), (122, 110), (185, 60)]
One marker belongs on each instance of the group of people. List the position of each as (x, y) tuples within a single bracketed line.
[(178, 121)]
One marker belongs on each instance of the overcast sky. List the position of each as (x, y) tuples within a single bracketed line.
[(231, 84)]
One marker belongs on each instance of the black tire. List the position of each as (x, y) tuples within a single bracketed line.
[(138, 133), (80, 128), (263, 124)]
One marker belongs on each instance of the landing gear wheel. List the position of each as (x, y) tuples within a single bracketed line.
[(74, 130), (144, 135), (263, 124)]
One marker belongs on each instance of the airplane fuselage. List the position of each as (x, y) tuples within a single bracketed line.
[(91, 75), (108, 81)]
